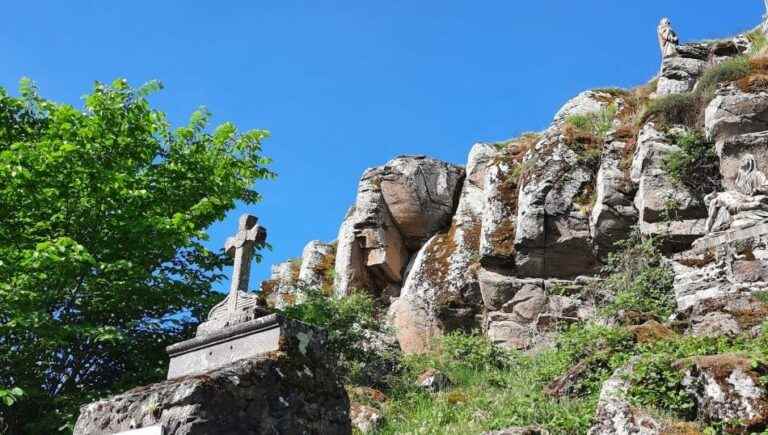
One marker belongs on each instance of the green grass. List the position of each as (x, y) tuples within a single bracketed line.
[(485, 397)]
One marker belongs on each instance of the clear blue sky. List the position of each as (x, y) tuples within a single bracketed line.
[(345, 85)]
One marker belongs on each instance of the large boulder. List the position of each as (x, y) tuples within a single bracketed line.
[(614, 213), (521, 312), (734, 112), (420, 193), (399, 206), (716, 286), (441, 292), (497, 238), (350, 269)]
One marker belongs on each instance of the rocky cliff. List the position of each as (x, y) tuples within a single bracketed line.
[(515, 243)]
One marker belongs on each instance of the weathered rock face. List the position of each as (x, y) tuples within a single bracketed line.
[(365, 418), (657, 193), (734, 112), (615, 415), (280, 288), (732, 150), (727, 388), (384, 252), (399, 206), (441, 292), (317, 262), (282, 392), (715, 288), (497, 237), (350, 269), (421, 195), (614, 213), (680, 73), (519, 312), (552, 235)]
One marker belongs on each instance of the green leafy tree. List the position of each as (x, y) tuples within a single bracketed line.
[(103, 211)]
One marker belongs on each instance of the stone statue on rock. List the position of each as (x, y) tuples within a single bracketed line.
[(667, 38), (744, 206)]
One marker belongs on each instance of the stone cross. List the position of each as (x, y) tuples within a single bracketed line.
[(241, 246)]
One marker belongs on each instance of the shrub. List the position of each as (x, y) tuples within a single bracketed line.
[(657, 384), (674, 109), (695, 164), (638, 278), (348, 321), (474, 351)]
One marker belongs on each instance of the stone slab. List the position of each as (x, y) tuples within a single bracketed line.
[(151, 430), (729, 237), (245, 340)]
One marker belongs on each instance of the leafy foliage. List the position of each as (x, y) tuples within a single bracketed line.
[(695, 164), (638, 278), (350, 321), (101, 261)]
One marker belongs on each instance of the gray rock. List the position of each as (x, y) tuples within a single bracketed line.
[(727, 389), (421, 195), (615, 415), (614, 213), (585, 103), (382, 244), (659, 197), (365, 418), (656, 190), (441, 291), (498, 287), (351, 272), (497, 238), (733, 112), (317, 261), (277, 393), (552, 235), (679, 74)]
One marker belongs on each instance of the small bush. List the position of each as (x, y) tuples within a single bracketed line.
[(638, 278), (695, 164), (655, 383), (347, 321), (674, 109), (474, 351)]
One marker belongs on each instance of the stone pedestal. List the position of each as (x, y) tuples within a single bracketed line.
[(244, 340), (266, 376)]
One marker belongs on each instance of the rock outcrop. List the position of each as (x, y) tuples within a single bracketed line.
[(666, 208), (728, 388), (441, 292), (294, 390)]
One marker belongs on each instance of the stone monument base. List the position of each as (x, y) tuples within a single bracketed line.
[(280, 383), (244, 340)]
